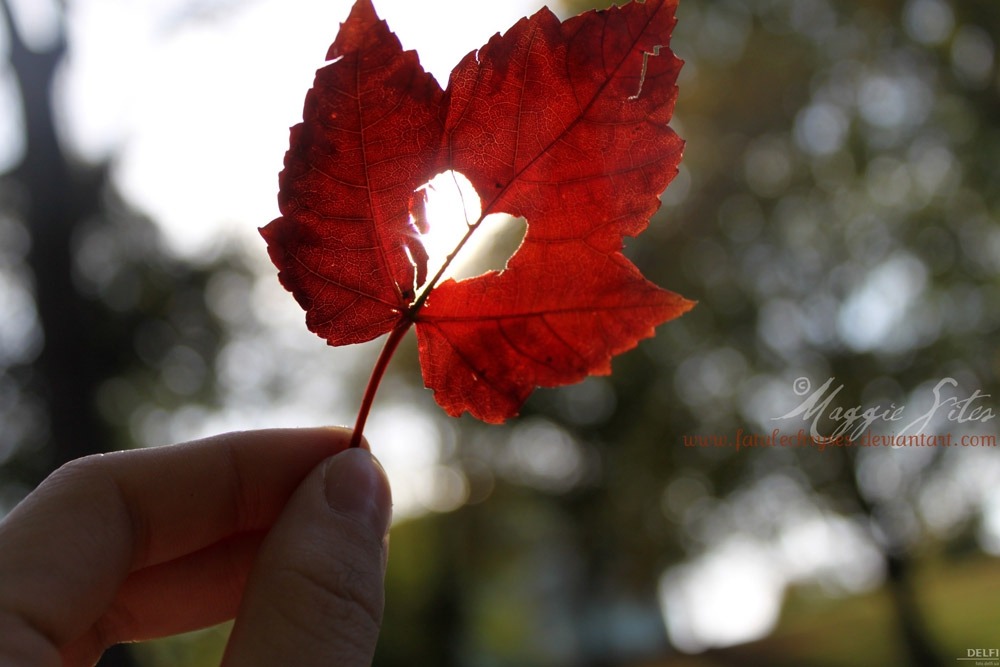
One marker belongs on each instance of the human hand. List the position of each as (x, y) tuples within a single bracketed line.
[(283, 529)]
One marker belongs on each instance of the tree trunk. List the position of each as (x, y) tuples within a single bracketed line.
[(57, 197)]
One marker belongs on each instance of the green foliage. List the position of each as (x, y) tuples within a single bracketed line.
[(194, 649)]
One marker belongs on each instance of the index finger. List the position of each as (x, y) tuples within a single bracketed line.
[(66, 549)]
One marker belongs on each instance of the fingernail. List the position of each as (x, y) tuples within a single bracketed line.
[(356, 484)]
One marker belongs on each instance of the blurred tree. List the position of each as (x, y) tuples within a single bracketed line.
[(106, 322), (835, 217)]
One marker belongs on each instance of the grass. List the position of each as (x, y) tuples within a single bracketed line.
[(960, 602)]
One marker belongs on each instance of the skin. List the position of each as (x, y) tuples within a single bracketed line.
[(285, 530)]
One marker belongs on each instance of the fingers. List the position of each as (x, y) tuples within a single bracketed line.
[(315, 595), (67, 549), (188, 593)]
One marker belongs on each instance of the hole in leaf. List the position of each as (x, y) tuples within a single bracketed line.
[(496, 240), (450, 206)]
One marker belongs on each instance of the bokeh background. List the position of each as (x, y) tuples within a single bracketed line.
[(835, 216)]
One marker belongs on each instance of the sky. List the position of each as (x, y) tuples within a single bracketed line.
[(198, 111)]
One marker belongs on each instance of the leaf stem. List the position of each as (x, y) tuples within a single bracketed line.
[(429, 286), (391, 343)]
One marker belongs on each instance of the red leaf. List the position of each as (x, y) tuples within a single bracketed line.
[(370, 135), (564, 124)]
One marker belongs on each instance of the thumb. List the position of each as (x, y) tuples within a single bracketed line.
[(315, 594)]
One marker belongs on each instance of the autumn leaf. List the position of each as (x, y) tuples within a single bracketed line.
[(563, 124)]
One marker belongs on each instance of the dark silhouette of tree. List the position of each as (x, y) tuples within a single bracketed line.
[(116, 319)]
